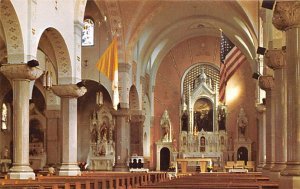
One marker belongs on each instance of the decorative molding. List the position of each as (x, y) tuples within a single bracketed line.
[(275, 59), (266, 82), (21, 71), (286, 15), (68, 90), (61, 53)]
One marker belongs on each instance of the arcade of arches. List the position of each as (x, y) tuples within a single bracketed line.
[(56, 107)]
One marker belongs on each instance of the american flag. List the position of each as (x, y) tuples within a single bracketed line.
[(231, 59)]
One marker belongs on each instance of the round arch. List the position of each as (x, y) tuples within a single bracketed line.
[(13, 33), (62, 61)]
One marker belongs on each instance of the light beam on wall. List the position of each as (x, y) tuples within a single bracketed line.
[(232, 93)]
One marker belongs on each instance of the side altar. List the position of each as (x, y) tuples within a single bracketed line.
[(102, 144)]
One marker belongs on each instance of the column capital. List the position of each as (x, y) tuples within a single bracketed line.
[(260, 108), (137, 117), (21, 71), (266, 82), (286, 15), (68, 90), (122, 112), (124, 67), (275, 59)]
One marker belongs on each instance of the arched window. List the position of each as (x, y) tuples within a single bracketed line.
[(88, 33), (4, 119)]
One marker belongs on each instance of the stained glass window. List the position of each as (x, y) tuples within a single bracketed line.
[(88, 33), (4, 117)]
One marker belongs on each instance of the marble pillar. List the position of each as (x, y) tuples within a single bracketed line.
[(266, 82), (69, 94), (21, 75), (261, 115), (136, 132), (275, 59), (53, 139), (286, 17), (122, 149)]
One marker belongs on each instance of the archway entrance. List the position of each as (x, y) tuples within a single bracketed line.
[(164, 159), (242, 154)]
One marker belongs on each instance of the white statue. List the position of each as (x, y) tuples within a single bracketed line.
[(242, 122), (165, 124)]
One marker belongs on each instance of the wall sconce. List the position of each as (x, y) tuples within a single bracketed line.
[(99, 98), (47, 80)]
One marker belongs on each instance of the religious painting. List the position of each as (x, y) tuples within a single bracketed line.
[(203, 115)]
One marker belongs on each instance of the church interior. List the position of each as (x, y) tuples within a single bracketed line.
[(193, 89)]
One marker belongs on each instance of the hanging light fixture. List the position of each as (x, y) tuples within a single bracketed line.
[(47, 80), (99, 98), (47, 77)]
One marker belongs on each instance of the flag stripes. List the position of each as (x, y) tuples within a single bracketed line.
[(232, 62)]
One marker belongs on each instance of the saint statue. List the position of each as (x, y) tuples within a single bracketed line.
[(5, 153), (242, 122), (165, 124), (103, 132), (94, 134)]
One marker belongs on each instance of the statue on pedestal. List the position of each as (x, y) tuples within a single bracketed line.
[(5, 153), (94, 134), (242, 122), (165, 124)]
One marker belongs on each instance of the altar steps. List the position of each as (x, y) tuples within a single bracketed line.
[(218, 181)]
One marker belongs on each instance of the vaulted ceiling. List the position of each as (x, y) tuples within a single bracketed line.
[(157, 26)]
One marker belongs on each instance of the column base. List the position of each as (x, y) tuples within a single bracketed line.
[(274, 176), (290, 182), (260, 167), (121, 167), (291, 170), (268, 166), (278, 167), (69, 170), (21, 172)]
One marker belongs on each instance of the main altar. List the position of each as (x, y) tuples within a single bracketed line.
[(203, 126)]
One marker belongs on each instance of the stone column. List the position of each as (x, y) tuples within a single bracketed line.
[(286, 17), (53, 138), (275, 59), (136, 138), (21, 74), (266, 83), (122, 140), (69, 94), (261, 111)]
